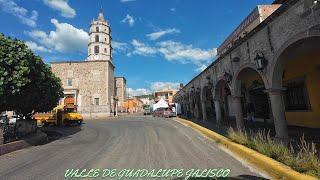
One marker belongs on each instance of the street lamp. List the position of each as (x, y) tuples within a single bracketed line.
[(227, 77), (261, 61)]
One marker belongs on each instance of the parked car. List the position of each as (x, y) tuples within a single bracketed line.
[(159, 112), (3, 118), (169, 113), (147, 111), (13, 119)]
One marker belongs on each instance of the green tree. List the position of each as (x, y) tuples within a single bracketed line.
[(27, 84)]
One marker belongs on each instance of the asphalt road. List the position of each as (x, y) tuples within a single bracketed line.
[(123, 143)]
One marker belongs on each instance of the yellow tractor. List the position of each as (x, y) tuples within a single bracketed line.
[(60, 115), (71, 116), (54, 117)]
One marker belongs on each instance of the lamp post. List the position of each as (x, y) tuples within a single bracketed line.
[(227, 77), (261, 61)]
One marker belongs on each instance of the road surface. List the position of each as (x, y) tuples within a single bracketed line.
[(132, 142)]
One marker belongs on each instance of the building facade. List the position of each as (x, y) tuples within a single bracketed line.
[(121, 93), (166, 95), (91, 82), (275, 66), (133, 105)]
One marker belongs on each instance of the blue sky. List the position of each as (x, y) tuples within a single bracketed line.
[(157, 43)]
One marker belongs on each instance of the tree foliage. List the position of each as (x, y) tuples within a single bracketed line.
[(27, 84)]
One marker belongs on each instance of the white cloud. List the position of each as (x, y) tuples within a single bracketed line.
[(173, 9), (62, 6), (172, 50), (124, 1), (142, 49), (26, 17), (128, 19), (65, 38), (159, 34), (37, 48), (159, 86), (120, 46), (154, 86), (138, 92)]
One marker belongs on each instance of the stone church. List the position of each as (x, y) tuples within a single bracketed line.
[(91, 83)]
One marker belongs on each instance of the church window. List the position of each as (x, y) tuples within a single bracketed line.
[(97, 29), (105, 50), (69, 82), (96, 49), (97, 38), (96, 101)]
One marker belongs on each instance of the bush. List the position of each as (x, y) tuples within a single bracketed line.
[(303, 160), (240, 137)]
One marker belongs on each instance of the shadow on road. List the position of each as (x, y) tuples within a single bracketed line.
[(55, 133)]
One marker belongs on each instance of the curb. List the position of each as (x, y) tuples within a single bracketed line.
[(268, 165), (21, 144)]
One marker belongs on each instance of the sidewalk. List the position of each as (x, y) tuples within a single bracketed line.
[(295, 133), (31, 140)]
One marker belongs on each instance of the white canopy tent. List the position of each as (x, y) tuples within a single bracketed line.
[(160, 104)]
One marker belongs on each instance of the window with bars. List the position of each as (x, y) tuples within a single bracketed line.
[(296, 96), (97, 29)]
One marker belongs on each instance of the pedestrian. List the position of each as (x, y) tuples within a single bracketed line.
[(250, 112)]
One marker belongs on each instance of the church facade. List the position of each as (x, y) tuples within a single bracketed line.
[(91, 83)]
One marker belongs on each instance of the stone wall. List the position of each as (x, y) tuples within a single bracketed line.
[(90, 80), (120, 91)]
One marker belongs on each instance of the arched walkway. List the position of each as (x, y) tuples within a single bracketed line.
[(295, 83), (250, 86), (207, 103)]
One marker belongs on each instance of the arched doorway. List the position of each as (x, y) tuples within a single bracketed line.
[(254, 98), (69, 100), (208, 102), (296, 70)]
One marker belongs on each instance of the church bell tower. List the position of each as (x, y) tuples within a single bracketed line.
[(99, 47)]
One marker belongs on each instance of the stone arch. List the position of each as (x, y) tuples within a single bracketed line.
[(250, 85), (217, 88), (295, 71), (278, 63), (245, 66), (207, 100)]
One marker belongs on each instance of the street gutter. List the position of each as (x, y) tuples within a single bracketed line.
[(265, 164)]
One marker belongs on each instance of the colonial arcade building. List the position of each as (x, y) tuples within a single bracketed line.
[(271, 60), (91, 84)]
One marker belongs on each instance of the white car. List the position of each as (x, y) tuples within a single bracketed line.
[(12, 120)]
